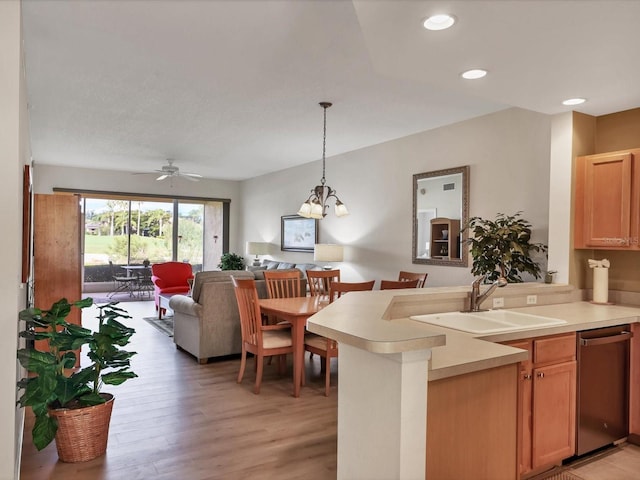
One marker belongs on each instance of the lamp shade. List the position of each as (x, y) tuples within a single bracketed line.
[(257, 248), (327, 252)]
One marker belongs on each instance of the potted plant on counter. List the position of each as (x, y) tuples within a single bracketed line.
[(67, 403), (503, 248)]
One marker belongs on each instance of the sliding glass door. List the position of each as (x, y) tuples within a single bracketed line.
[(132, 231)]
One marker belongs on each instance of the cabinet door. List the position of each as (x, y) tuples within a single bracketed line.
[(607, 200), (554, 413)]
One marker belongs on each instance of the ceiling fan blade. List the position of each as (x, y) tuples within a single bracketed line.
[(195, 175), (189, 177), (162, 177)]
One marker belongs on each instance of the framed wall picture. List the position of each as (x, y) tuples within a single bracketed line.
[(298, 234)]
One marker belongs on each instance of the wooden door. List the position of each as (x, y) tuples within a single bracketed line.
[(56, 252), (554, 413), (607, 200)]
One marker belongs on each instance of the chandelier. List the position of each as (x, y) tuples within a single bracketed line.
[(315, 206)]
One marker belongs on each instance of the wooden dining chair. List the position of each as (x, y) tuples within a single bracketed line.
[(338, 288), (320, 281), (283, 284), (421, 277), (325, 347), (261, 340), (393, 284)]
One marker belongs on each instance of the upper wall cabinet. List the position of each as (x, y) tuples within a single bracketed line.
[(607, 209)]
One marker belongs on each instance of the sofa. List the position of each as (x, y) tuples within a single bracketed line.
[(278, 265), (206, 323)]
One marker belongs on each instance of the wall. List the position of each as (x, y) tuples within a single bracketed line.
[(14, 154), (508, 154), (560, 174), (616, 131), (47, 177)]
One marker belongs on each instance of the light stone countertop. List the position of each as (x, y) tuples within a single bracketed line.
[(359, 319)]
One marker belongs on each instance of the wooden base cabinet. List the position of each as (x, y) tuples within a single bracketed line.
[(472, 426), (547, 393)]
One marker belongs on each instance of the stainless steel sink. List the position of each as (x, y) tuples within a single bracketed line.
[(491, 321)]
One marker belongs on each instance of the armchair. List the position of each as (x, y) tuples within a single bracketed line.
[(170, 277)]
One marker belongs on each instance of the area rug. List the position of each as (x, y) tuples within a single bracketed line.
[(165, 324)]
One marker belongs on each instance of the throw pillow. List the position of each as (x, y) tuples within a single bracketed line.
[(285, 266)]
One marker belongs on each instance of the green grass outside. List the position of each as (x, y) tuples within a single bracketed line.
[(97, 244), (99, 249)]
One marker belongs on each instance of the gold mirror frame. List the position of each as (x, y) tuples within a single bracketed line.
[(463, 261)]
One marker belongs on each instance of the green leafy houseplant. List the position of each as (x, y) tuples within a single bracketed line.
[(231, 261), (502, 247), (52, 383)]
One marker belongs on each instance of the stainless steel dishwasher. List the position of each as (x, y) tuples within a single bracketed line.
[(603, 387)]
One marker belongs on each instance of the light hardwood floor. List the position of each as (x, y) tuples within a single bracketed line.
[(181, 420)]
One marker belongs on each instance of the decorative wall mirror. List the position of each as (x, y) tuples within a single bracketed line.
[(440, 213)]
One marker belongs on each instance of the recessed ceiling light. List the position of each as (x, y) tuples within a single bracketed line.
[(473, 74), (439, 22), (574, 101)]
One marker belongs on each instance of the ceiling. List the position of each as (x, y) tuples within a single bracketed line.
[(230, 89)]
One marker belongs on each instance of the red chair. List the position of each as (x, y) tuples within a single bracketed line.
[(170, 277)]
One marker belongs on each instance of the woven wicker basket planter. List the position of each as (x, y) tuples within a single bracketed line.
[(83, 432)]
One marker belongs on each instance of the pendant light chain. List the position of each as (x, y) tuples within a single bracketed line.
[(315, 206), (324, 141)]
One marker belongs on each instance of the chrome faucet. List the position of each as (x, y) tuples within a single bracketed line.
[(477, 298)]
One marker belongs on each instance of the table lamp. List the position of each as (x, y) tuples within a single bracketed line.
[(327, 252), (257, 248)]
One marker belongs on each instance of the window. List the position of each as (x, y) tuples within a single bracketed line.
[(130, 230)]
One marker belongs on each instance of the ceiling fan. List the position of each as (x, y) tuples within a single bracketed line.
[(171, 171)]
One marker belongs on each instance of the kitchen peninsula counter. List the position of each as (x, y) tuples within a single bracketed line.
[(465, 384), (378, 321)]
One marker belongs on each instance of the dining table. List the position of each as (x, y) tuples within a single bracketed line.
[(295, 310)]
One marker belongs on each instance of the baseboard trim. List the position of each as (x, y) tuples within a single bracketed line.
[(634, 439)]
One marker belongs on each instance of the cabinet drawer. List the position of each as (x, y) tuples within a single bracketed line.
[(554, 349)]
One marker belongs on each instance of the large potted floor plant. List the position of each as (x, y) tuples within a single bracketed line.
[(67, 402), (503, 248)]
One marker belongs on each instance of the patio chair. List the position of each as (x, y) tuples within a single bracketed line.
[(121, 283)]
